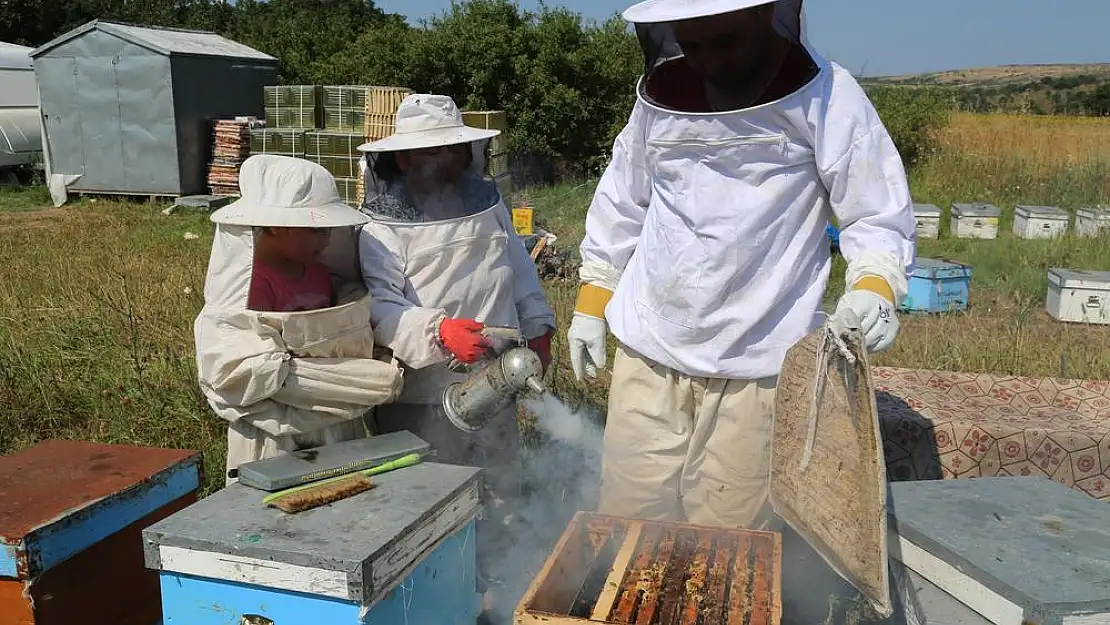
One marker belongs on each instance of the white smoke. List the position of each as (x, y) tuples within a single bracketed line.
[(563, 474)]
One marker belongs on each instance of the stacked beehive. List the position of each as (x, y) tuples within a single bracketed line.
[(338, 153), (230, 147), (293, 106)]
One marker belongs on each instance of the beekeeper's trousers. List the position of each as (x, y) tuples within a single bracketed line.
[(678, 448)]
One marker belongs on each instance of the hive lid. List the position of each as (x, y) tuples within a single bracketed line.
[(1079, 279), (1042, 212), (990, 532), (828, 478), (936, 268), (976, 210), (926, 210), (1098, 213), (61, 497), (356, 549)]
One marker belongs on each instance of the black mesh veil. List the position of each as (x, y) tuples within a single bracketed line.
[(659, 45)]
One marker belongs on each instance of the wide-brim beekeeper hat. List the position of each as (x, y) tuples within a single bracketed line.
[(660, 11), (283, 191), (428, 121)]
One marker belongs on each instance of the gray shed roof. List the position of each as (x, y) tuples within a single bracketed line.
[(167, 41), (14, 57)]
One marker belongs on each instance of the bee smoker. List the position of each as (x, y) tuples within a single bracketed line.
[(471, 403)]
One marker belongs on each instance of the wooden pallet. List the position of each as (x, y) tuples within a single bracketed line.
[(611, 570)]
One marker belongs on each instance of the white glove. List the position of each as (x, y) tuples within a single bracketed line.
[(586, 337), (871, 313)]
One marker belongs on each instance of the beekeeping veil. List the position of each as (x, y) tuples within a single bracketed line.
[(291, 377), (427, 121), (654, 21)]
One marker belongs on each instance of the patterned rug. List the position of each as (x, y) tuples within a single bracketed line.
[(939, 424)]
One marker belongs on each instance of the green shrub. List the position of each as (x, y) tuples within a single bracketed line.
[(913, 116)]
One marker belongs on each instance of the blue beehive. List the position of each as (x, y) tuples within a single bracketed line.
[(938, 286), (402, 552)]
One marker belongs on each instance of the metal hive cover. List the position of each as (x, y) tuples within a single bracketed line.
[(828, 477)]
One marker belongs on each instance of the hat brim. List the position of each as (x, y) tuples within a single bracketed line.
[(248, 213), (661, 11), (428, 139)]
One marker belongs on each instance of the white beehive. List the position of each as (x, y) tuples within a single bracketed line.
[(928, 220), (1079, 296), (1040, 222), (975, 221), (1091, 222)]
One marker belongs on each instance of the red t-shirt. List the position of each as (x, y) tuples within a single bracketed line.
[(273, 291)]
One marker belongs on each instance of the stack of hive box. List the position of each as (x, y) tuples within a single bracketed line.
[(293, 106), (230, 147), (291, 110)]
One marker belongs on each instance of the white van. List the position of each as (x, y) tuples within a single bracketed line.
[(20, 132)]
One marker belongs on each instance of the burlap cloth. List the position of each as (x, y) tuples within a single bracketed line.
[(828, 479)]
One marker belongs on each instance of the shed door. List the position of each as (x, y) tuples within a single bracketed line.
[(57, 79), (101, 135)]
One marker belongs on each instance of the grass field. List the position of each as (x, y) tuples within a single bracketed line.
[(98, 297)]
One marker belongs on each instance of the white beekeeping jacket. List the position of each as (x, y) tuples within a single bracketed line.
[(287, 381), (710, 226), (467, 264)]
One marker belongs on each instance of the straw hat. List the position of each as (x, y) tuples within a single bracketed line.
[(655, 11), (286, 191), (428, 121)]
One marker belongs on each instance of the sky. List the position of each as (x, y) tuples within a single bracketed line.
[(890, 37)]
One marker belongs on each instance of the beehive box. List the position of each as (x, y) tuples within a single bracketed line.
[(71, 517), (402, 552), (344, 119), (938, 286), (379, 126), (350, 190), (1001, 551), (302, 96), (975, 221), (1079, 296), (326, 143), (339, 166), (1040, 222), (304, 117), (385, 100), (611, 570), (1092, 222), (491, 120), (285, 141), (928, 220)]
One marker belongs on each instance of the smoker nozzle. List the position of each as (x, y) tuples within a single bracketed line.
[(536, 385)]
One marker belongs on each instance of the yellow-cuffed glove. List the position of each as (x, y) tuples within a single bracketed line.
[(869, 306), (586, 336)]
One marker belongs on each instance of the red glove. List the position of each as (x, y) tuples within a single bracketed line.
[(463, 338), (542, 346)]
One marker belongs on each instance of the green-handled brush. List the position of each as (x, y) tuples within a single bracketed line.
[(334, 489)]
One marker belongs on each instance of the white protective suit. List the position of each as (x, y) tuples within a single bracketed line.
[(708, 232), (458, 256), (285, 381)]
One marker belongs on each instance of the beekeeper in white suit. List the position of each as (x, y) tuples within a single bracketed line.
[(443, 263), (705, 250), (287, 380)]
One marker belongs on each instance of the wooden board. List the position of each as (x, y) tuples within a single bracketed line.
[(659, 574)]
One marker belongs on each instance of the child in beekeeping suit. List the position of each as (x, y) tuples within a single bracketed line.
[(443, 262), (285, 349)]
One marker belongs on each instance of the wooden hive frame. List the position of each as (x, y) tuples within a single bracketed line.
[(611, 570)]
